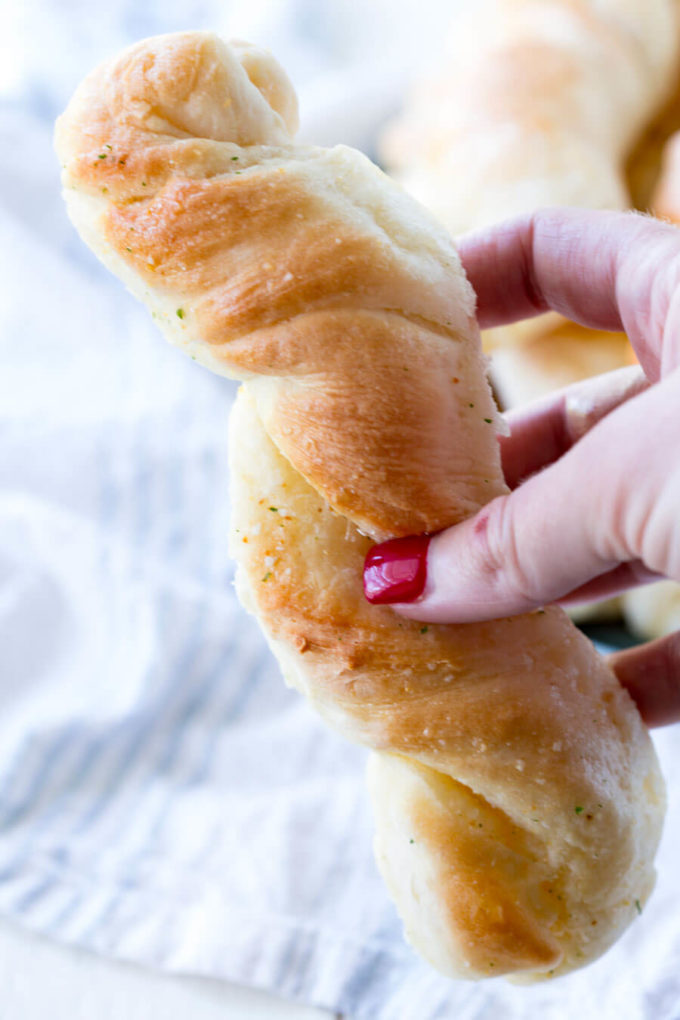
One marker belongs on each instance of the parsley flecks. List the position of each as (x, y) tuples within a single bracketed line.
[(424, 630), (638, 907), (488, 420), (234, 157), (411, 840), (471, 405), (578, 809), (274, 509), (102, 155), (267, 575), (180, 313)]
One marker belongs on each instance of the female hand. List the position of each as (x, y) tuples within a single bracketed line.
[(595, 468)]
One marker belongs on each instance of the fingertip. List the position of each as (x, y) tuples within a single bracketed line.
[(651, 675), (498, 266), (464, 581), (467, 581)]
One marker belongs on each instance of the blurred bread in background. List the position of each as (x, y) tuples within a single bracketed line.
[(551, 102)]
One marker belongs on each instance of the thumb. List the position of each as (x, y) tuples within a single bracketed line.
[(519, 553), (606, 502)]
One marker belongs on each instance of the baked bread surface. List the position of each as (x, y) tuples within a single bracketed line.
[(517, 797)]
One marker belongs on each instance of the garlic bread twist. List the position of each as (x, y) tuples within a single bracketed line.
[(517, 796)]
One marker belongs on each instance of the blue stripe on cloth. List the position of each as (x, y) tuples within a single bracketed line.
[(121, 760), (36, 763), (206, 707), (115, 750), (183, 668)]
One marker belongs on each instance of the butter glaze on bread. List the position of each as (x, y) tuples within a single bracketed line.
[(201, 201), (517, 797)]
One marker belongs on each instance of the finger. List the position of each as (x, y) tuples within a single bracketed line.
[(614, 582), (611, 499), (651, 674), (544, 430), (606, 270)]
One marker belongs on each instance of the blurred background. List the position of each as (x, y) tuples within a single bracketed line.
[(164, 800)]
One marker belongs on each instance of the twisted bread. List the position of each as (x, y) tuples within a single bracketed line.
[(517, 797)]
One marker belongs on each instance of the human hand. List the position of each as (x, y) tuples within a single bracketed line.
[(595, 468)]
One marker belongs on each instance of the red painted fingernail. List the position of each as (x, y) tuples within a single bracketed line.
[(396, 571)]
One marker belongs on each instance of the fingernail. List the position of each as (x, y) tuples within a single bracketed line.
[(396, 571)]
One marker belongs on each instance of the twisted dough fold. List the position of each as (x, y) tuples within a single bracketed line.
[(517, 796)]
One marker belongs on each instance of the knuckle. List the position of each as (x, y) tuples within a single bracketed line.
[(506, 570)]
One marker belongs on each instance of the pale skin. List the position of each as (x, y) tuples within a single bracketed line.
[(595, 469)]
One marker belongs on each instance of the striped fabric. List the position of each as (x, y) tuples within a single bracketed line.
[(163, 797)]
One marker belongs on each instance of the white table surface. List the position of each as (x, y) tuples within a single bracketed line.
[(40, 979)]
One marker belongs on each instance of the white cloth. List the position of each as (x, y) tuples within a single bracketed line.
[(163, 797)]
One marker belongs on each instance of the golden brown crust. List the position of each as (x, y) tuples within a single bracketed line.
[(507, 741), (359, 284), (509, 768), (494, 914)]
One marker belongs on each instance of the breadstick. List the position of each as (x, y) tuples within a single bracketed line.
[(517, 796)]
